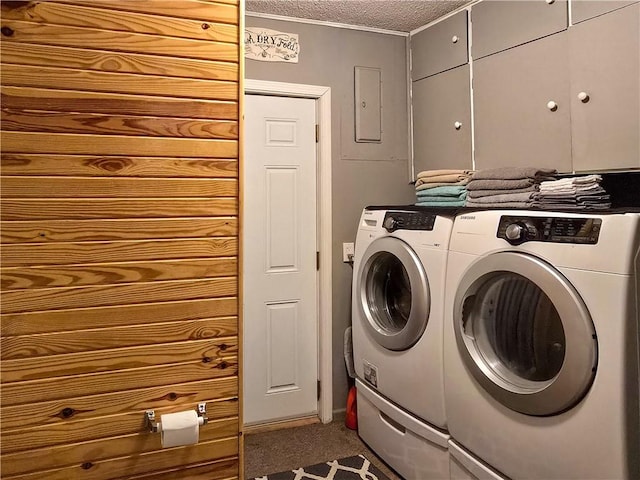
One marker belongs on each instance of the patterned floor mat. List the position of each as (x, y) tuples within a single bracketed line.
[(350, 468)]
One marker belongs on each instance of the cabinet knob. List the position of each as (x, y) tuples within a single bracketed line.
[(549, 2), (455, 39), (551, 105), (457, 125), (583, 97)]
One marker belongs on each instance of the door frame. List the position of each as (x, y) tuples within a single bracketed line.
[(322, 96)]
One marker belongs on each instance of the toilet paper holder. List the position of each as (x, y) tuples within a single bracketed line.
[(155, 427)]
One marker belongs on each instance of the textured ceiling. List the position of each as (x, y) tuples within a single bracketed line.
[(398, 15)]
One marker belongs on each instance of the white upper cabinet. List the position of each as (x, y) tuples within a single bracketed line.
[(498, 25), (604, 55), (582, 10), (544, 92), (440, 47), (442, 121), (521, 106)]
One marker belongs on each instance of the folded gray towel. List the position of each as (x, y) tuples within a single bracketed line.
[(595, 189), (500, 184), (506, 197), (486, 193), (593, 198), (555, 197), (513, 173)]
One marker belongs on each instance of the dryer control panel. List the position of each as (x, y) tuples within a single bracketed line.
[(398, 220), (519, 229)]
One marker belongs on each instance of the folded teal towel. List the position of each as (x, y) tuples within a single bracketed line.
[(436, 203), (456, 191), (440, 199)]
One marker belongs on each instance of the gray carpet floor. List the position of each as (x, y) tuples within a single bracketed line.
[(290, 448)]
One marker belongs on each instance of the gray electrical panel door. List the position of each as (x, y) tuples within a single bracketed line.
[(582, 10), (442, 121), (605, 91), (499, 25), (440, 47), (521, 106)]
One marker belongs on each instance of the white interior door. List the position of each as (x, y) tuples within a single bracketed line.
[(279, 255)]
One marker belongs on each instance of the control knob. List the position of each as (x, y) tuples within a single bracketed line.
[(515, 232), (390, 224), (518, 232)]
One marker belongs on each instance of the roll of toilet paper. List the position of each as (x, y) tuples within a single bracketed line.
[(180, 428)]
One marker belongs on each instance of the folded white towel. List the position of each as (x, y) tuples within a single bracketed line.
[(571, 183)]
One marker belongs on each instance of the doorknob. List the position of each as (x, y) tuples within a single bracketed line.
[(583, 97)]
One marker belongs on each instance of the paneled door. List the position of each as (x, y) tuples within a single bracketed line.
[(279, 251)]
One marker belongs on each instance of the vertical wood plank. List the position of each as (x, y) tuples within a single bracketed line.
[(120, 153)]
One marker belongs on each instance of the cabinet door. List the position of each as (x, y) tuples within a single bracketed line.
[(514, 124), (582, 10), (440, 47), (605, 54), (499, 25), (442, 121)]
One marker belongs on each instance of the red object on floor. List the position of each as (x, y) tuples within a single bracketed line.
[(351, 418)]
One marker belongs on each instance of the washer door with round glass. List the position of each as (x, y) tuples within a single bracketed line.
[(524, 333), (393, 293)]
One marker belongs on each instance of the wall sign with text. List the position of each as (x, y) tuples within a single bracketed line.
[(270, 46)]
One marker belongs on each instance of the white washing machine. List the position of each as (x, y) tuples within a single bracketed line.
[(398, 290), (541, 343), (464, 466)]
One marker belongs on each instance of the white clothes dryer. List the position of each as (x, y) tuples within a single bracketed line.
[(398, 293), (541, 342)]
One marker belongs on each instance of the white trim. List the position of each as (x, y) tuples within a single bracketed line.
[(323, 103), (326, 24), (409, 60), (472, 111), (570, 14)]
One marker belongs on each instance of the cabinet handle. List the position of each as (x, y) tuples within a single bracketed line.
[(551, 105), (455, 39), (457, 125), (583, 97)]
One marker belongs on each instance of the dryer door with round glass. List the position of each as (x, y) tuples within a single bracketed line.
[(393, 293), (524, 333)]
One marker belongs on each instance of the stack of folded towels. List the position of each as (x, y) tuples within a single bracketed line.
[(573, 193), (508, 187), (442, 188)]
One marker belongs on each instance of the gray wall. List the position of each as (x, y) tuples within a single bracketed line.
[(362, 174)]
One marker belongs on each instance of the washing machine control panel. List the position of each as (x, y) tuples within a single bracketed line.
[(519, 229), (398, 220)]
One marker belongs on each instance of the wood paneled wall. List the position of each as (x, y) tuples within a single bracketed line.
[(119, 236)]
